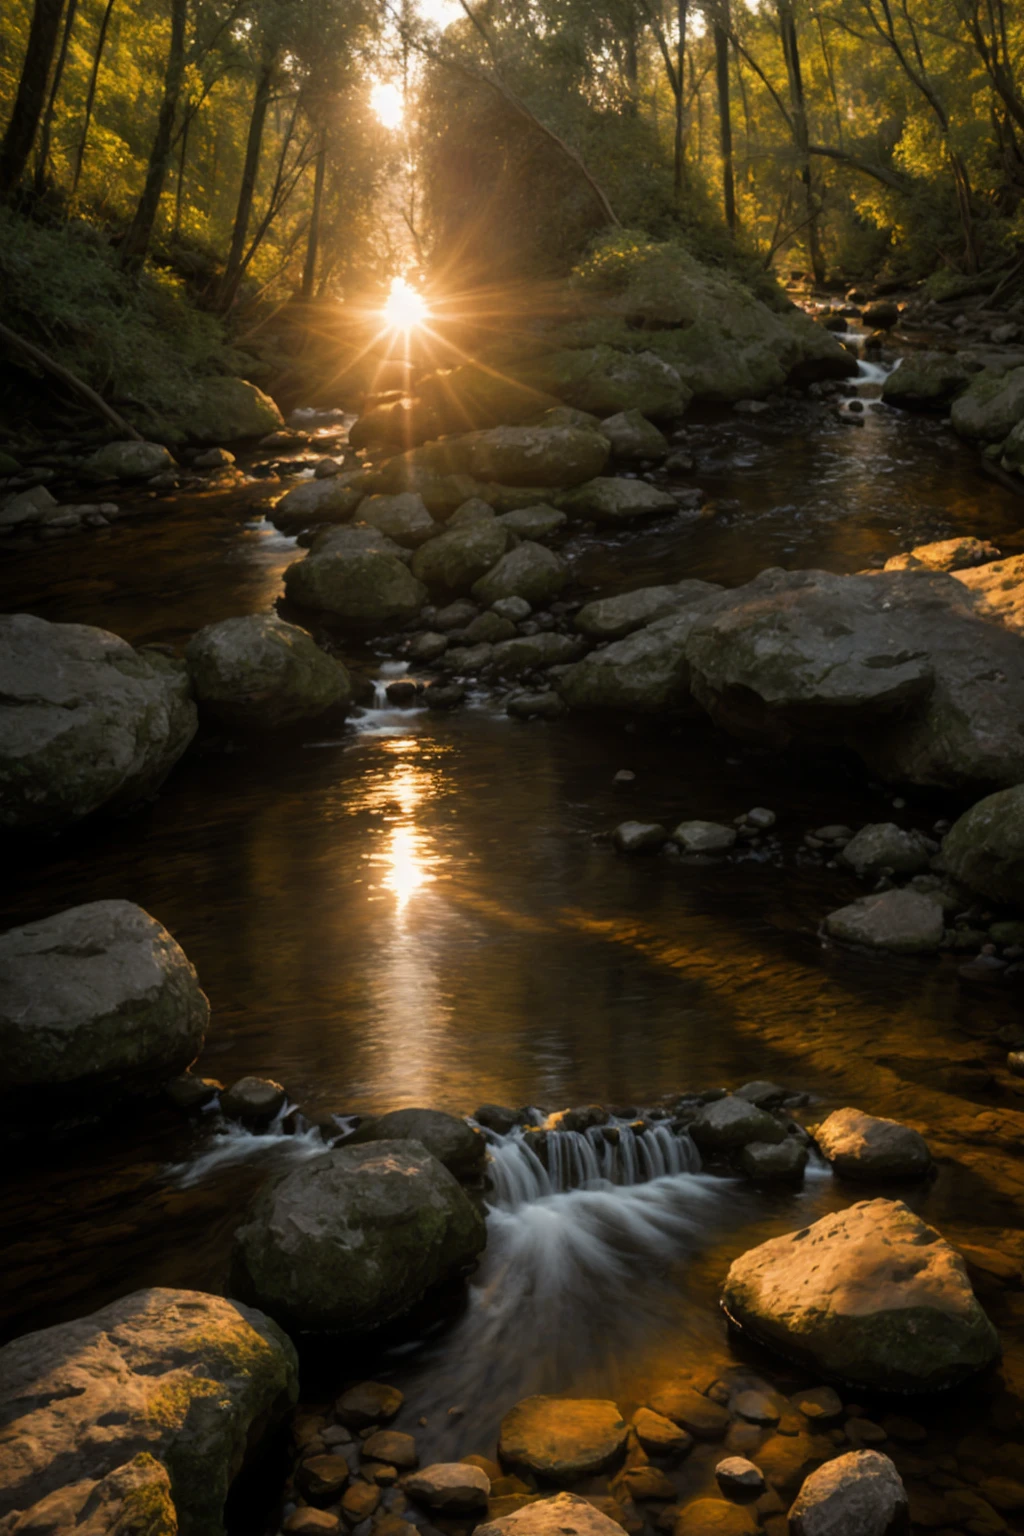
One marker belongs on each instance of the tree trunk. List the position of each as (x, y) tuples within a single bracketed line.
[(791, 52), (90, 95), (51, 104), (309, 270), (679, 147), (140, 232), (31, 97), (721, 28), (250, 169), (182, 156)]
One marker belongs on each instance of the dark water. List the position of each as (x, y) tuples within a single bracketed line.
[(414, 910)]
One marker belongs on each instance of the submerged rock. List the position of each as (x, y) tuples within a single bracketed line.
[(262, 673), (870, 1149), (98, 1005), (985, 847), (360, 591), (355, 1238), (691, 1410), (86, 722), (561, 1439), (859, 1494), (870, 1295), (162, 1378), (907, 922), (457, 1145)]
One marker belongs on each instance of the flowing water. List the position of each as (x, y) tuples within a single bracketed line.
[(415, 909)]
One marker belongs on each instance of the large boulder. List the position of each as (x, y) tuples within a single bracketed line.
[(907, 922), (611, 618), (355, 1238), (564, 1515), (991, 406), (610, 500), (634, 438), (85, 721), (561, 1439), (605, 381), (262, 673), (645, 673), (870, 1295), (985, 847), (98, 1004), (526, 455), (870, 1149), (451, 563), (529, 571), (360, 592), (224, 410), (189, 1380), (928, 381), (319, 501), (402, 518), (355, 538), (128, 461), (455, 1143), (859, 1494)]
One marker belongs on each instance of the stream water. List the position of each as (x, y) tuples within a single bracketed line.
[(413, 910)]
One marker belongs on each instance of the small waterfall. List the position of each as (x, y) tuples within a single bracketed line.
[(530, 1164)]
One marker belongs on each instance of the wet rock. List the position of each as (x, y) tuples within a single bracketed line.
[(611, 618), (946, 555), (859, 1494), (86, 722), (821, 1405), (883, 845), (113, 1398), (467, 660), (870, 1295), (530, 571), (427, 647), (403, 518), (325, 468), (322, 1478), (764, 1094), (354, 539), (403, 693), (991, 406), (781, 1162), (561, 1439), (539, 522), (680, 1402), (189, 1093), (928, 381), (98, 1005), (392, 1448), (535, 706), (497, 1117), (355, 1238), (449, 1138), (451, 563), (998, 589), (610, 501), (604, 381), (360, 592), (739, 1479), (985, 847), (542, 455), (128, 461), (732, 1122), (645, 1483), (261, 673), (444, 696), (659, 1436), (472, 511), (563, 1515), (646, 673), (530, 653), (450, 1488), (704, 837), (633, 437), (456, 615), (359, 1501), (369, 1403), (253, 1100), (489, 629), (714, 1517), (865, 1147), (639, 837), (307, 1521), (318, 501), (906, 922)]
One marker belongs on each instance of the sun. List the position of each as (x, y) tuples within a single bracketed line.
[(388, 103), (405, 309)]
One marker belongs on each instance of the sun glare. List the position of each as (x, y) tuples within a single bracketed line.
[(388, 103), (405, 309)]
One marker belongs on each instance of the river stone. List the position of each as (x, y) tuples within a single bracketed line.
[(489, 628), (859, 1494), (985, 846), (714, 1517), (355, 1238), (355, 538), (98, 1004), (530, 571), (946, 555), (128, 461), (646, 673), (991, 406), (612, 618), (360, 592), (85, 722), (564, 1515), (733, 1122), (639, 837), (868, 1148), (183, 1377), (524, 455), (402, 518), (906, 922), (884, 845), (262, 673), (739, 1479), (604, 381), (318, 501), (220, 409), (323, 1477), (450, 1488), (529, 653), (456, 1144), (472, 511), (608, 500), (253, 1100), (633, 437), (561, 1439), (998, 590), (658, 1435), (704, 837), (869, 1295), (369, 1403), (691, 1410), (390, 1448), (539, 522), (451, 563), (781, 1162), (928, 381)]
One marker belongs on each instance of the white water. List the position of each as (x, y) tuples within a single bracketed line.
[(231, 1144), (587, 1160)]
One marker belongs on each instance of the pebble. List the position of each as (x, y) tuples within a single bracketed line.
[(739, 1479), (820, 1404), (756, 1408), (368, 1404), (624, 776)]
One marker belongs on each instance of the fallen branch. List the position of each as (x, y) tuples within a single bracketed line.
[(12, 339)]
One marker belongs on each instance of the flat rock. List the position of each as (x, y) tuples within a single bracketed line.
[(609, 500), (859, 1494), (449, 1138), (561, 1439), (945, 555), (369, 1403), (658, 1435), (564, 1515), (871, 1295), (392, 1448), (690, 1409), (450, 1488), (906, 922), (998, 588), (871, 1149), (611, 618)]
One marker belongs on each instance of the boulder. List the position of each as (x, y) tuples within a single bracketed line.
[(539, 522), (859, 1494), (704, 837), (731, 1123), (356, 539), (188, 1380), (526, 455), (530, 653), (262, 673), (884, 845), (224, 410), (472, 511), (449, 1138), (402, 518), (98, 1005), (646, 673), (928, 381), (353, 1239), (906, 922), (451, 563), (998, 590), (870, 1295), (634, 438), (985, 846), (946, 555), (871, 1149), (318, 501), (85, 722), (611, 618), (530, 571), (605, 381), (609, 501), (782, 1162), (691, 1410), (128, 461), (564, 1515), (361, 592), (450, 1488), (991, 406), (561, 1439), (392, 1448)]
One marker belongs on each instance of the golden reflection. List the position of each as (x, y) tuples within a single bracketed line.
[(399, 789), (407, 865)]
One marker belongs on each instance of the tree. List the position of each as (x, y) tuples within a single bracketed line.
[(30, 100)]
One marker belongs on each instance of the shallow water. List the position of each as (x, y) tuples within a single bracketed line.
[(413, 909)]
